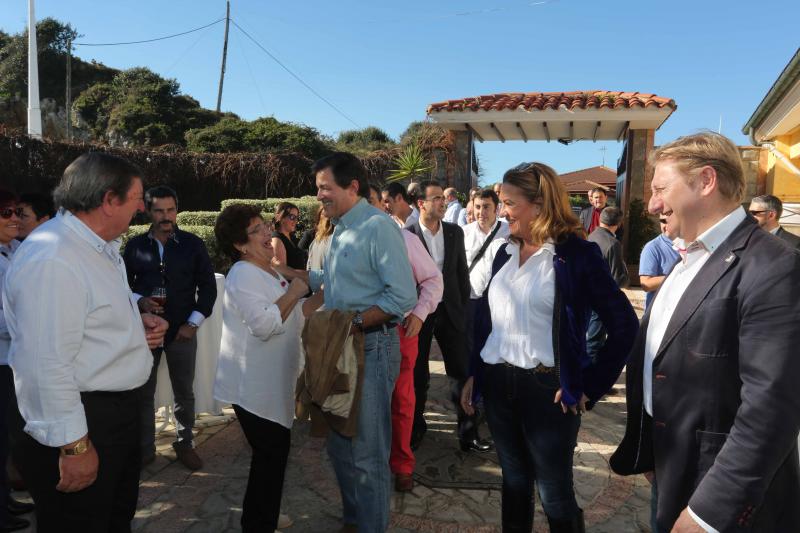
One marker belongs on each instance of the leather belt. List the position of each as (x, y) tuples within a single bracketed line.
[(385, 327), (538, 369)]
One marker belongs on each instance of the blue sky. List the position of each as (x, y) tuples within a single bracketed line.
[(382, 63)]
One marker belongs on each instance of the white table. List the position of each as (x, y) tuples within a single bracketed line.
[(208, 340)]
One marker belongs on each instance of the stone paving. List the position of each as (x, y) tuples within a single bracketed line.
[(454, 492)]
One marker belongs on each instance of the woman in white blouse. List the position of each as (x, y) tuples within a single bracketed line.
[(259, 356), (529, 355)]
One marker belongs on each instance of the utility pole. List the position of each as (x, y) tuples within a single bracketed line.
[(69, 90), (603, 149), (224, 53), (34, 111)]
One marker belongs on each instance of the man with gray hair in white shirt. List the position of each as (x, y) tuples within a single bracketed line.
[(80, 352)]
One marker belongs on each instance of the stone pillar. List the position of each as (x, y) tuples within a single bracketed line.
[(455, 170), (638, 174)]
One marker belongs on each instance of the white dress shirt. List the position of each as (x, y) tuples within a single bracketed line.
[(435, 244), (6, 251), (259, 357), (521, 300), (74, 327), (453, 210), (474, 237), (670, 294)]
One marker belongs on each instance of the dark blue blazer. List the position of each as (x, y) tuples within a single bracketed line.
[(583, 284)]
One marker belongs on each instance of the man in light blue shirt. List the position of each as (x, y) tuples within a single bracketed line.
[(367, 271), (454, 207), (657, 259)]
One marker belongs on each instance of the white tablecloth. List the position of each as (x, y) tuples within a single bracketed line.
[(208, 339)]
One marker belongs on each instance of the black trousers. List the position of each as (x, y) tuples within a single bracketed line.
[(262, 498), (6, 394), (453, 344), (107, 505)]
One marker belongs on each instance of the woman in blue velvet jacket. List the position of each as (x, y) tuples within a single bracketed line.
[(529, 358)]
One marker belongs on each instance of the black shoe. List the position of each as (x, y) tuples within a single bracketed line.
[(416, 439), (14, 523), (475, 445), (17, 508)]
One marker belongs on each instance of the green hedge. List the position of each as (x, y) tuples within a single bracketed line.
[(308, 206), (218, 259), (197, 218)]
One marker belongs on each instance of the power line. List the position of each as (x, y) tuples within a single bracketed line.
[(153, 40), (295, 76)]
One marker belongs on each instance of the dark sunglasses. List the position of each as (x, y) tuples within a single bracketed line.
[(8, 211)]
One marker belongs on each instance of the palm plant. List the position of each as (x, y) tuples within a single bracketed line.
[(411, 162)]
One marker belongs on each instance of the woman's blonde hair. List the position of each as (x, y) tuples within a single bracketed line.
[(324, 226), (539, 182)]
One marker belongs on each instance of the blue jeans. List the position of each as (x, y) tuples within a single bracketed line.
[(535, 442), (362, 463)]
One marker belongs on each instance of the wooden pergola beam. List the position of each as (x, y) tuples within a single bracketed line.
[(594, 135), (571, 130), (497, 131), (522, 132), (473, 132), (546, 131)]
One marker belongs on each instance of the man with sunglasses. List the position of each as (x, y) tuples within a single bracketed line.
[(767, 210), (657, 259), (176, 260)]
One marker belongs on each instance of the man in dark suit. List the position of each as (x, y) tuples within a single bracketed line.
[(590, 215), (767, 210), (445, 243), (713, 409)]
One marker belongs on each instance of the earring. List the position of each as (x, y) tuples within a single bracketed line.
[(244, 252)]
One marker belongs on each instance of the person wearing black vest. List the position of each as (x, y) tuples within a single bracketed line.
[(177, 261)]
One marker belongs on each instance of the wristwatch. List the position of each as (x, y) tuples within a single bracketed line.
[(192, 324), (358, 320), (80, 447)]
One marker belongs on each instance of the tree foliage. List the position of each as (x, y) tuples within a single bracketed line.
[(261, 135), (369, 139)]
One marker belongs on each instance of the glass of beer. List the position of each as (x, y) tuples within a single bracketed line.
[(159, 296)]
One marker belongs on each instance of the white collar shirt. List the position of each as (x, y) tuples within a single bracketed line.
[(74, 327), (521, 300), (435, 244), (412, 219), (693, 257), (6, 252), (474, 238)]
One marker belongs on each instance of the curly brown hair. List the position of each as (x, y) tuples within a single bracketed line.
[(231, 228)]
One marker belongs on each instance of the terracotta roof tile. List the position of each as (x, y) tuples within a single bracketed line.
[(541, 101)]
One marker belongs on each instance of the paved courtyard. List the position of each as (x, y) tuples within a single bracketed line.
[(455, 491)]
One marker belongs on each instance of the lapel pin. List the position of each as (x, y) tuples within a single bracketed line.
[(730, 257)]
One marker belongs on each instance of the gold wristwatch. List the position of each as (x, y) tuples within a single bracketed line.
[(79, 448)]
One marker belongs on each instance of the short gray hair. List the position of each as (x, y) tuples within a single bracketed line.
[(772, 203), (611, 216), (87, 180)]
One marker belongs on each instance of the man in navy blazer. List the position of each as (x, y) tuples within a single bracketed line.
[(713, 409)]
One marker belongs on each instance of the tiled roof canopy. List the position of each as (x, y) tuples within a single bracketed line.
[(542, 101)]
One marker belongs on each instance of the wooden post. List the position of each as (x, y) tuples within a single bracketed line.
[(224, 54)]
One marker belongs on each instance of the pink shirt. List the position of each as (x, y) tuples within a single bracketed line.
[(430, 284)]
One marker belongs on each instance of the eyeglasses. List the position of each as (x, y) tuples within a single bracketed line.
[(756, 213), (291, 217), (9, 211), (258, 228)]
